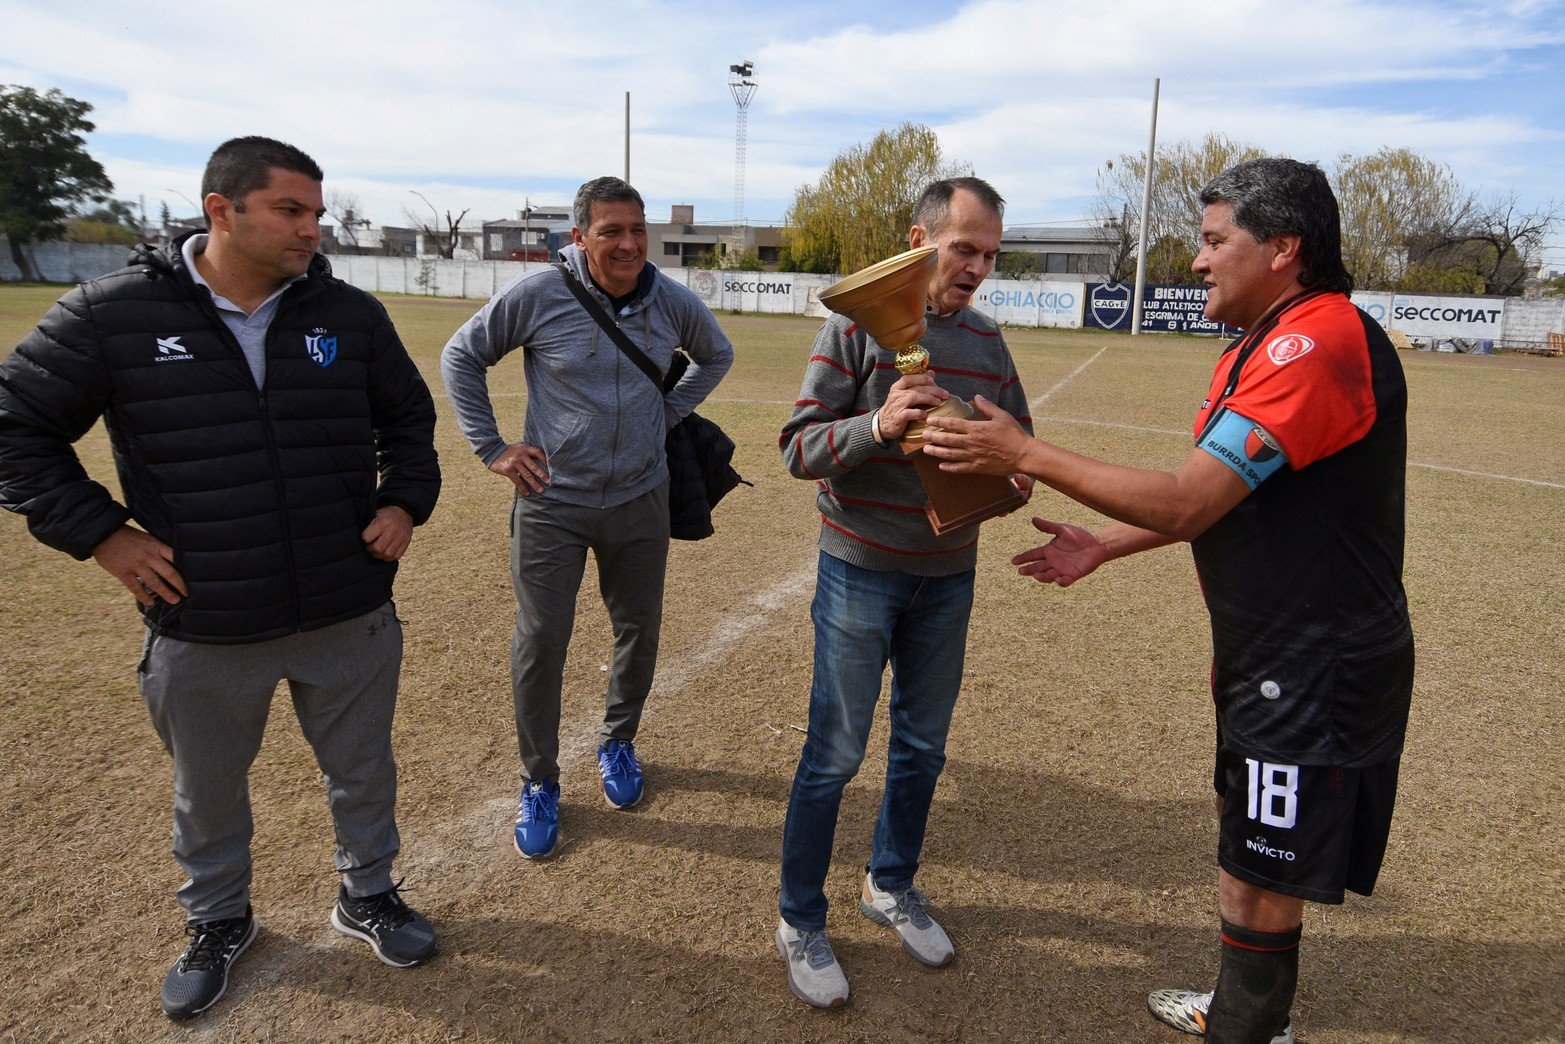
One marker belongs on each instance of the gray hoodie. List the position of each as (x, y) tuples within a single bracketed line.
[(597, 417)]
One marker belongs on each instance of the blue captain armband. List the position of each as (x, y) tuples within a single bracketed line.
[(1244, 446)]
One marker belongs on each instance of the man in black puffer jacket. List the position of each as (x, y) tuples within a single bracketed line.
[(275, 447)]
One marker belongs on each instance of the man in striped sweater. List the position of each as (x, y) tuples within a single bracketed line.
[(887, 589)]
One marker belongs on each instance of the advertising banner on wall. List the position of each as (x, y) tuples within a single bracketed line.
[(1165, 309), (1470, 318), (757, 291), (1017, 302), (1376, 304), (706, 284)]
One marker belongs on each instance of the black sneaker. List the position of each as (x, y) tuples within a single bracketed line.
[(399, 934), (199, 977)]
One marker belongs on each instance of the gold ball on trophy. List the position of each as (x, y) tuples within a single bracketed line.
[(912, 360)]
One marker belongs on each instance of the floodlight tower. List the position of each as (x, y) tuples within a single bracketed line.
[(743, 89)]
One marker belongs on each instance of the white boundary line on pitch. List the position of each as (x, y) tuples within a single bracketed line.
[(729, 631), (1046, 396), (1411, 463), (1489, 475), (578, 745)]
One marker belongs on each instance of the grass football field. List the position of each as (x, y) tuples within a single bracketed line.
[(1071, 850)]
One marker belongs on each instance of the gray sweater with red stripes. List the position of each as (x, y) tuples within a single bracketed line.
[(871, 499)]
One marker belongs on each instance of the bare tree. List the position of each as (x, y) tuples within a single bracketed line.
[(349, 212), (1499, 240), (445, 240)]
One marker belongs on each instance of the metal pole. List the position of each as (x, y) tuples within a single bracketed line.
[(627, 137), (1146, 218)]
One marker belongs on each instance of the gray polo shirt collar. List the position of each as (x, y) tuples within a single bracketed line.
[(248, 329)]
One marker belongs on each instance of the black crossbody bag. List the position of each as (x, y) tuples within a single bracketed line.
[(700, 454)]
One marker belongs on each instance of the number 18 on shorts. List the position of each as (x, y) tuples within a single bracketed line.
[(1310, 831)]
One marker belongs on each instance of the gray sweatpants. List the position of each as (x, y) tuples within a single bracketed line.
[(549, 543), (209, 704)]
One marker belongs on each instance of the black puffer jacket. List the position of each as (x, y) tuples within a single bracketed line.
[(262, 495), (700, 467)]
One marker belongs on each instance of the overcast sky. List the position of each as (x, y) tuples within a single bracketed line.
[(478, 104)]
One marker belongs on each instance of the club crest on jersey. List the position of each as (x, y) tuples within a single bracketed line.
[(1259, 446), (1288, 347), (322, 349)]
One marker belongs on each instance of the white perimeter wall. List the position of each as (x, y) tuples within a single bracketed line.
[(65, 262), (1511, 322)]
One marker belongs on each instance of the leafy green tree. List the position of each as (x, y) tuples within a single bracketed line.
[(860, 209), (90, 230), (1438, 279), (44, 166)]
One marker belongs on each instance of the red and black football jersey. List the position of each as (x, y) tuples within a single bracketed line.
[(1312, 646)]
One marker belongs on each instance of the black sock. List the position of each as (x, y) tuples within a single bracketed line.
[(1255, 985)]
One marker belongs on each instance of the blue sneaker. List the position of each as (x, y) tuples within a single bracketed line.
[(538, 819), (621, 775)]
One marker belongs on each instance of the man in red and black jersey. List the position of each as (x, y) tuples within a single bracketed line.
[(1293, 502)]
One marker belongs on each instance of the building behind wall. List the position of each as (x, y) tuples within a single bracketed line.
[(535, 234), (680, 243), (1083, 250)]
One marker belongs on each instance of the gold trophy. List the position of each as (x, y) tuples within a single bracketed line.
[(887, 301)]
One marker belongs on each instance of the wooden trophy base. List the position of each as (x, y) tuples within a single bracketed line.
[(957, 500)]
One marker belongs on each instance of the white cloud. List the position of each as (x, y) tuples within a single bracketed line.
[(482, 102)]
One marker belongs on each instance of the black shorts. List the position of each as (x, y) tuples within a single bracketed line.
[(1308, 831)]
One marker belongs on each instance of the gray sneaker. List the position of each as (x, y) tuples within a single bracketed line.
[(906, 914), (400, 935), (1185, 1011), (813, 972), (199, 978)]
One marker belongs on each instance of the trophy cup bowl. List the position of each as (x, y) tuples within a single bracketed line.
[(887, 298), (887, 301)]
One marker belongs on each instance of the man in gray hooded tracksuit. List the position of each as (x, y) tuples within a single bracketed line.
[(590, 472)]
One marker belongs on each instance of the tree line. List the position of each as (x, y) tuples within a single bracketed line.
[(1407, 222)]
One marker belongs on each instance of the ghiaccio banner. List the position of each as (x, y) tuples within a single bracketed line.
[(1021, 303), (1169, 309)]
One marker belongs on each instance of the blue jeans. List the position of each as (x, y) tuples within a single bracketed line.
[(863, 619)]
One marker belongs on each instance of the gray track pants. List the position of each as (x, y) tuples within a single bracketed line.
[(549, 543), (209, 704)]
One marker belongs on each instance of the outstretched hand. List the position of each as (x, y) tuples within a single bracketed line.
[(992, 443), (1072, 554)]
